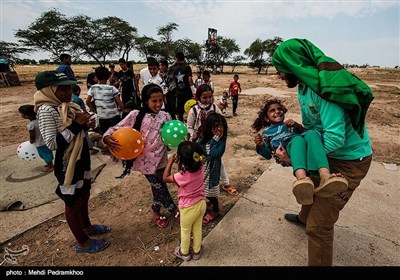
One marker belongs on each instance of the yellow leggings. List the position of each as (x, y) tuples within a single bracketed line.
[(192, 221)]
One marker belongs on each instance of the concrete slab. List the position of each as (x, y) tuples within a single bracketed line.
[(37, 194), (254, 232)]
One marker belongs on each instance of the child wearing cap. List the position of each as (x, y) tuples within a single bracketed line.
[(61, 123)]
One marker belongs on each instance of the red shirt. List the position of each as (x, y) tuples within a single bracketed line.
[(234, 88)]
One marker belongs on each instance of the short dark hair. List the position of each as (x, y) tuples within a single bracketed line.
[(121, 60), (164, 62), (187, 160), (180, 56), (27, 110), (102, 73), (64, 56), (153, 62), (206, 73), (76, 89)]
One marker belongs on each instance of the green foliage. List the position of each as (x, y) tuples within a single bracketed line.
[(258, 49)]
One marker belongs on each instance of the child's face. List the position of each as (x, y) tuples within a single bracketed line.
[(218, 130), (225, 94), (206, 97), (206, 78), (64, 93), (235, 78), (275, 114), (153, 70), (155, 102)]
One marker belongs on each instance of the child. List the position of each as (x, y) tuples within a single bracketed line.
[(197, 114), (149, 120), (27, 112), (199, 80), (76, 92), (234, 90), (191, 197), (304, 159), (61, 123), (207, 79), (213, 134), (205, 104), (223, 103), (106, 98)]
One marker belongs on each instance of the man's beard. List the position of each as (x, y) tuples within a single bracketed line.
[(291, 80)]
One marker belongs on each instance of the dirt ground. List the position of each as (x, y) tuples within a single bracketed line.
[(135, 239)]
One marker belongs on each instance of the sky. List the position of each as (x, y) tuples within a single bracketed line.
[(353, 32)]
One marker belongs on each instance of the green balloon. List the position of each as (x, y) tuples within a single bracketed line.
[(173, 133)]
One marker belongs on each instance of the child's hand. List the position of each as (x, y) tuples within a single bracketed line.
[(112, 143), (218, 131), (258, 139), (172, 158), (290, 123), (82, 118), (92, 121)]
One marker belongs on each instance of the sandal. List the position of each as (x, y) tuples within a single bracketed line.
[(231, 190), (94, 246), (209, 218), (179, 254), (161, 221), (98, 229)]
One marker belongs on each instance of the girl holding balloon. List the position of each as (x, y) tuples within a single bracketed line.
[(152, 160)]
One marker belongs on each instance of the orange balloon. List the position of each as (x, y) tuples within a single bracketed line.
[(131, 141)]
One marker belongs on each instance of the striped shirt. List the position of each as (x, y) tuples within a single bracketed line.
[(104, 99), (49, 125)]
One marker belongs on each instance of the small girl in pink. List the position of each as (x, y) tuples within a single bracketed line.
[(191, 198)]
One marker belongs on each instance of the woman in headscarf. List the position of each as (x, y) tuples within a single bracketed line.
[(61, 124)]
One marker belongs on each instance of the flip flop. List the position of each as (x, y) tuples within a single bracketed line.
[(161, 221), (94, 246), (209, 218), (99, 229), (231, 190)]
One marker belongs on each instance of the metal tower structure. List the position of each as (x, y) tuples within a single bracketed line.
[(212, 50)]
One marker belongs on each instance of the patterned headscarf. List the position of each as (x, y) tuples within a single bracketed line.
[(326, 77)]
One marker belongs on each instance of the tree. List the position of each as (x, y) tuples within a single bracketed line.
[(270, 46), (79, 35), (236, 61), (257, 50), (192, 50), (227, 47), (146, 46), (46, 33), (167, 45), (12, 51)]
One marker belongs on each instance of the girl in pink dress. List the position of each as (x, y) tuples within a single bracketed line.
[(148, 120)]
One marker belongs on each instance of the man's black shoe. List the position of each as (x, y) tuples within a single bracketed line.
[(294, 219)]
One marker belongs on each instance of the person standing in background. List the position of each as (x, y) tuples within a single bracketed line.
[(65, 66), (234, 90)]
